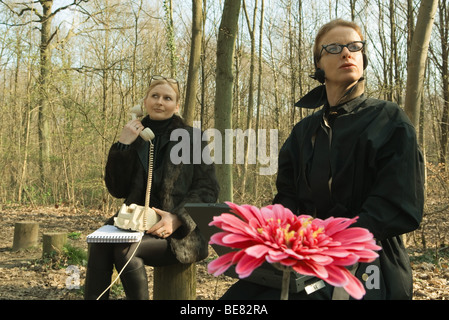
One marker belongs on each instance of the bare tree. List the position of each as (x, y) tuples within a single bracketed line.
[(250, 107), (443, 66), (194, 64), (168, 6), (224, 85), (259, 89), (396, 90), (44, 18), (417, 62), (94, 76)]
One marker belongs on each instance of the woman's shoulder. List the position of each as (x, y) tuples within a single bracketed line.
[(177, 122)]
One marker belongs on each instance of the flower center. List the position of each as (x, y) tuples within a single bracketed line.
[(299, 232), (288, 235)]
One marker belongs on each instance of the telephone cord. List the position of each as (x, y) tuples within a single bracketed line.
[(149, 182), (147, 205), (118, 276)]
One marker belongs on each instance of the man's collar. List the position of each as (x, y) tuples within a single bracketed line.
[(318, 96), (349, 106)]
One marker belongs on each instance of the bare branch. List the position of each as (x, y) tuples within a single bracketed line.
[(74, 3)]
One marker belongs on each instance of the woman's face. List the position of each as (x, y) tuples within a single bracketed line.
[(161, 103), (345, 67)]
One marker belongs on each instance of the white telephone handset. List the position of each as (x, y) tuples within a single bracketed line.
[(146, 133)]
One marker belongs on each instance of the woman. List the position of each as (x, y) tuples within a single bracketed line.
[(357, 156), (175, 238)]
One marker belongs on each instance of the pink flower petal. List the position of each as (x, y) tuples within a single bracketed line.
[(352, 235), (341, 277), (246, 212), (247, 264), (216, 238), (321, 259), (334, 225), (337, 252), (257, 251), (308, 269), (337, 276), (277, 211), (349, 260), (229, 222), (319, 270), (232, 238), (277, 256), (353, 285), (367, 256), (355, 288), (221, 264)]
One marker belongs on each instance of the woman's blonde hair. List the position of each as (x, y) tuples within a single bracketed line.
[(328, 27), (154, 83)]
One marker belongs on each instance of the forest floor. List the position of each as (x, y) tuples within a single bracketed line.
[(25, 275)]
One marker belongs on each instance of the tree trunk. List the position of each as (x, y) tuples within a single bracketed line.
[(417, 62), (168, 6), (224, 85), (203, 62), (53, 243), (45, 66), (396, 88), (250, 108), (255, 187), (175, 282), (26, 235), (444, 123), (194, 64)]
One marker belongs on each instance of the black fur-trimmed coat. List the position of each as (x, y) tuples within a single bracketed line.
[(173, 186)]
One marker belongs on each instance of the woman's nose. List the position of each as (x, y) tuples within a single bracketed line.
[(345, 53)]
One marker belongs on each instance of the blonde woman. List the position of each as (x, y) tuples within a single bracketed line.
[(175, 238)]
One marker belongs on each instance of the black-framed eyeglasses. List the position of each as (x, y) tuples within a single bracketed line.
[(336, 48)]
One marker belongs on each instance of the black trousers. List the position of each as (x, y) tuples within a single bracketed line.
[(103, 257), (152, 251)]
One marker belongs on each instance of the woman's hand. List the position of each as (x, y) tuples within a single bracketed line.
[(168, 224), (130, 131)]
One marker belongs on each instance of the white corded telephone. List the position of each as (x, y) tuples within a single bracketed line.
[(135, 217)]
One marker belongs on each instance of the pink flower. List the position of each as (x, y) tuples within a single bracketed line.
[(315, 247)]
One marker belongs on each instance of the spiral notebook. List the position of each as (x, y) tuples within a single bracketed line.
[(112, 234)]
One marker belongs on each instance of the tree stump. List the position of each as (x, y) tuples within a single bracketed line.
[(25, 235), (175, 282), (53, 242)]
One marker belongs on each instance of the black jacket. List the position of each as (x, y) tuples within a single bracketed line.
[(173, 185), (377, 174)]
